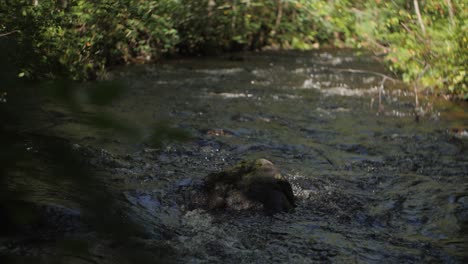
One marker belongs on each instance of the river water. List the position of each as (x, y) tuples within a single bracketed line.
[(376, 181)]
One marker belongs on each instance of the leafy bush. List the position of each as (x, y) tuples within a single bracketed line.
[(431, 52), (84, 38)]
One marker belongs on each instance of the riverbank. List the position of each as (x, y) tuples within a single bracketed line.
[(423, 43)]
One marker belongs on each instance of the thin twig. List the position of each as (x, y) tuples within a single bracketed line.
[(383, 47), (83, 258), (9, 33), (369, 72), (416, 100), (322, 154), (382, 83), (381, 87), (413, 33), (355, 10)]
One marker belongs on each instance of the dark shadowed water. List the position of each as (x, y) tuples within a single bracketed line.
[(375, 184)]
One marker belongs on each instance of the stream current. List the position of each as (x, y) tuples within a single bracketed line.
[(374, 183)]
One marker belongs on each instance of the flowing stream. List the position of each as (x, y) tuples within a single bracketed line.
[(376, 180)]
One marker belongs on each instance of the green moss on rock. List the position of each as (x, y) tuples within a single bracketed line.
[(249, 184)]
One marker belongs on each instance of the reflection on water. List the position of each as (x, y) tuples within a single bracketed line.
[(373, 184)]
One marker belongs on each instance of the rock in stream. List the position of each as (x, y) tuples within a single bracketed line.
[(248, 184)]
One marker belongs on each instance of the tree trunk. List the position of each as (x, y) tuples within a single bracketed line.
[(234, 16), (279, 15), (450, 10), (418, 14)]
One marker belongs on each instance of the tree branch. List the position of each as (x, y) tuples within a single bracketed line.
[(413, 33), (385, 77), (9, 33)]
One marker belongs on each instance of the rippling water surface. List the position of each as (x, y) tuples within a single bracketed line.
[(374, 182)]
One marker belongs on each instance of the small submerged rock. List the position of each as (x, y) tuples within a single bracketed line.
[(250, 184)]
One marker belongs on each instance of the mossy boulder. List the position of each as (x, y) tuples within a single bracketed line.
[(250, 184)]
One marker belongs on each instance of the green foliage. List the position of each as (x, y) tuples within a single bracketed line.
[(250, 24), (433, 54), (85, 38)]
